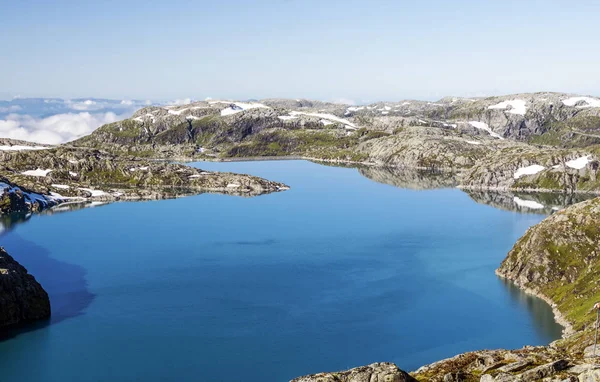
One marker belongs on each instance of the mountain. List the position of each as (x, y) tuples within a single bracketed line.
[(534, 141)]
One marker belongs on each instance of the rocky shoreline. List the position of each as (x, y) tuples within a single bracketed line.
[(559, 317), (557, 261)]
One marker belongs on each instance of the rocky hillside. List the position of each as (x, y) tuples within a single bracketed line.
[(22, 298), (557, 119), (31, 180), (560, 259), (517, 142)]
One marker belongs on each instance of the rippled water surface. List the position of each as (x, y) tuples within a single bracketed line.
[(337, 272)]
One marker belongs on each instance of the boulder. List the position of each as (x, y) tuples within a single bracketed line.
[(22, 298), (376, 372), (590, 376), (544, 371)]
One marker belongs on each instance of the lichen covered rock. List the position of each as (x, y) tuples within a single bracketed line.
[(376, 372)]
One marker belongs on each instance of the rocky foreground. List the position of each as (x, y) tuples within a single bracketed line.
[(22, 298), (557, 260)]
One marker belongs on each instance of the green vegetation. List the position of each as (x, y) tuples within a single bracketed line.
[(561, 258)]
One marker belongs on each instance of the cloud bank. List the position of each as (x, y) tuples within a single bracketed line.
[(55, 129), (56, 120)]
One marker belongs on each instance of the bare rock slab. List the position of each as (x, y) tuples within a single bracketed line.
[(376, 372)]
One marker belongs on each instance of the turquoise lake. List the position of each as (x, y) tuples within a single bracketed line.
[(339, 271)]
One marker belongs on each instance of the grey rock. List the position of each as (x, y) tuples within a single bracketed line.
[(590, 376), (377, 372), (516, 366), (589, 351), (578, 369), (22, 298), (455, 377), (544, 371)]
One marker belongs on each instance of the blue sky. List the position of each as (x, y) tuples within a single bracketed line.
[(329, 50)]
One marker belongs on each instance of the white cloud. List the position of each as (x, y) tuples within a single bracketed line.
[(184, 101), (55, 129), (127, 102), (344, 101), (86, 105), (10, 109)]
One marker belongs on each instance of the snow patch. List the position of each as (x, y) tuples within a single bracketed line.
[(37, 172), (177, 112), (590, 102), (21, 148), (531, 204), (579, 163), (517, 106), (529, 170), (484, 126), (237, 107), (286, 117), (473, 142), (329, 117), (61, 186), (94, 192), (355, 108)]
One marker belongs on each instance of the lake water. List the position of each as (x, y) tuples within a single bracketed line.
[(339, 271)]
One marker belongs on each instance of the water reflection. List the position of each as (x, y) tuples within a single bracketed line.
[(8, 222), (541, 313), (539, 202), (66, 283), (410, 178)]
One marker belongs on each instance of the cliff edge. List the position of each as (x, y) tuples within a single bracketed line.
[(22, 298)]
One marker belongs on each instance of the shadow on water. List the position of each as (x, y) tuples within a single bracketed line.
[(65, 283), (540, 312)]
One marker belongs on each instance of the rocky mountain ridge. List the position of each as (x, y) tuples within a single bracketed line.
[(488, 140)]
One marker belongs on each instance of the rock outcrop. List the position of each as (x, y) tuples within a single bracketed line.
[(34, 180), (377, 372), (559, 259), (22, 298)]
